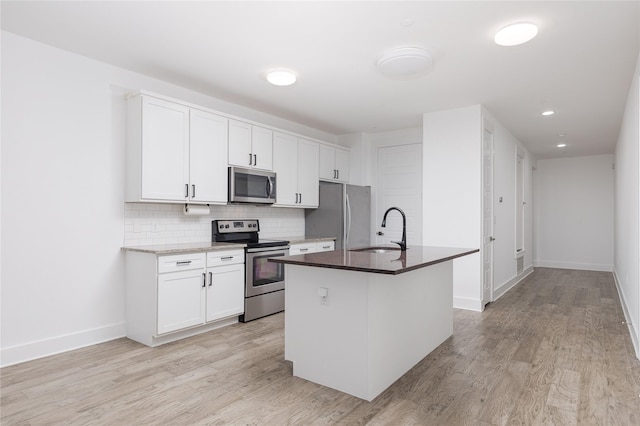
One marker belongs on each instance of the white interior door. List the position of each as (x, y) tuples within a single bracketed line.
[(487, 217), (399, 184)]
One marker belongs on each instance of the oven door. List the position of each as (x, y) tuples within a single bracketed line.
[(264, 276)]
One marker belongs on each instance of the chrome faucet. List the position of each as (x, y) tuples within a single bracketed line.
[(403, 243)]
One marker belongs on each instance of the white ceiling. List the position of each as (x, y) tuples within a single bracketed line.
[(581, 64)]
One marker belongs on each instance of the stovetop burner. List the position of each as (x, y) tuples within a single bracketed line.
[(243, 231)]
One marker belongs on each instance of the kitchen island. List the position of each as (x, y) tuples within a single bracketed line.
[(356, 321)]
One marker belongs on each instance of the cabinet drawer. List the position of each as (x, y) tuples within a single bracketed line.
[(303, 248), (180, 262), (219, 258), (325, 246)]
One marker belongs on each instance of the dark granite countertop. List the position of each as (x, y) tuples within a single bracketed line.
[(393, 262)]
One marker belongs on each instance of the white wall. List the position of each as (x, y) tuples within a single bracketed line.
[(62, 222), (627, 214), (451, 189), (452, 198), (575, 213), (506, 148)]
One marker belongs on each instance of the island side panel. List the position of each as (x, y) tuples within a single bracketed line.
[(409, 316), (327, 343)]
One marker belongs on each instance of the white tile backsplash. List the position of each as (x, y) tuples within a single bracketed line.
[(147, 223)]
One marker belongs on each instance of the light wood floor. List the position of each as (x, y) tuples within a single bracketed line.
[(554, 350)]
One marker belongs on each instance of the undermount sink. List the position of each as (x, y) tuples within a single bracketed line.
[(376, 249)]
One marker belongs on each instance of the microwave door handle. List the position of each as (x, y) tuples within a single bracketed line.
[(269, 186)]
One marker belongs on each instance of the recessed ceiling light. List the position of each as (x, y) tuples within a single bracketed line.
[(561, 145), (514, 34), (281, 77), (548, 112)]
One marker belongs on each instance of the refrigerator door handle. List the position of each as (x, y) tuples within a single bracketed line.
[(348, 225)]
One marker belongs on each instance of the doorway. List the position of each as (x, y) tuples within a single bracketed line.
[(487, 216)]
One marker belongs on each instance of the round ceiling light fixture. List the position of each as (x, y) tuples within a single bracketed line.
[(561, 145), (515, 34), (547, 113), (281, 77), (405, 62)]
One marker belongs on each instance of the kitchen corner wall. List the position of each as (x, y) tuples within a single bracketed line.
[(63, 210), (146, 224)]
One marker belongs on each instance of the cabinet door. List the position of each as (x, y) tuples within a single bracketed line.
[(302, 248), (225, 291), (180, 300), (240, 144), (342, 165), (327, 162), (285, 165), (262, 148), (308, 166), (165, 150), (208, 157)]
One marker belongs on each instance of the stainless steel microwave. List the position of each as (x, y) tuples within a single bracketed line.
[(251, 186)]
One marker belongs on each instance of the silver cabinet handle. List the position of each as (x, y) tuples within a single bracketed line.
[(326, 247), (304, 249), (193, 191), (338, 174), (250, 158), (491, 239), (204, 280), (255, 159), (226, 258), (210, 278), (186, 190), (380, 233), (183, 262)]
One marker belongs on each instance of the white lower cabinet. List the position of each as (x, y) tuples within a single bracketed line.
[(224, 296), (180, 302), (176, 296)]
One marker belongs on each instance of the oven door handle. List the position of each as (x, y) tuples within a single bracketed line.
[(273, 250)]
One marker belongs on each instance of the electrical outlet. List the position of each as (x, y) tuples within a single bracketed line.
[(323, 293)]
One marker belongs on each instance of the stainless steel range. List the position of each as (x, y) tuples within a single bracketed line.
[(264, 280)]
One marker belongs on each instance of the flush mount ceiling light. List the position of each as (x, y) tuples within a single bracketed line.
[(514, 34), (281, 77), (405, 62), (547, 113), (561, 145)]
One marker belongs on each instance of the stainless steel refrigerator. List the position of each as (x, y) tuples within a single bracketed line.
[(344, 212)]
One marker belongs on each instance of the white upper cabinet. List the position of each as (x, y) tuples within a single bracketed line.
[(163, 142), (296, 165), (174, 153), (250, 146), (334, 164), (208, 157)]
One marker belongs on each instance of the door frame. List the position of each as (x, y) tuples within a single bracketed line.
[(487, 295)]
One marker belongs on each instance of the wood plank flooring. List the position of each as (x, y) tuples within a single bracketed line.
[(553, 351)]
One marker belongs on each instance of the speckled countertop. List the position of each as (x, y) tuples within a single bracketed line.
[(301, 240), (393, 262), (162, 249)]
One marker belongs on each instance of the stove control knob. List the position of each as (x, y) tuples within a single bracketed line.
[(226, 226)]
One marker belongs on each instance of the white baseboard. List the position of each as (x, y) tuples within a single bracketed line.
[(55, 345), (573, 265), (505, 287), (633, 327), (467, 304)]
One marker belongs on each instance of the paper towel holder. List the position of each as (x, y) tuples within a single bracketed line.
[(196, 210)]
